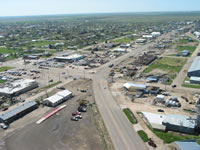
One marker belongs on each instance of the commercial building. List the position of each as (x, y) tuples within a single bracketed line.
[(70, 58), (17, 87), (194, 69), (140, 40), (58, 98), (179, 123), (156, 34), (18, 112), (187, 145), (131, 86), (125, 46), (194, 80)]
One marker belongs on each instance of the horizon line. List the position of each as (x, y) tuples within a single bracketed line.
[(92, 13)]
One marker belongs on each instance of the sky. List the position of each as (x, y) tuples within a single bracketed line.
[(46, 7)]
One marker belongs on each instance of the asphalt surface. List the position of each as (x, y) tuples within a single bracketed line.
[(122, 134)]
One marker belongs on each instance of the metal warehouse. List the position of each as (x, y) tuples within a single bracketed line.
[(179, 123), (18, 112), (132, 86), (58, 98), (70, 58), (194, 68)]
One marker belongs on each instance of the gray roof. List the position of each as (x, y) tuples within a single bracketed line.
[(188, 145), (185, 51), (17, 110), (179, 120), (195, 64)]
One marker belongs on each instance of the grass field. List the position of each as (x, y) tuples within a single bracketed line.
[(143, 135), (130, 115), (168, 64), (42, 43), (169, 137), (4, 50), (190, 48), (2, 81), (188, 85), (124, 40), (5, 68)]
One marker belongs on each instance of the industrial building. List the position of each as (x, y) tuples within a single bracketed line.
[(70, 58), (187, 145), (119, 50), (140, 40), (18, 112), (194, 80), (125, 46), (58, 98), (131, 86), (156, 34), (177, 123), (194, 69), (17, 87)]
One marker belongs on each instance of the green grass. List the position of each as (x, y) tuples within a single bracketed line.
[(143, 135), (2, 81), (189, 85), (190, 48), (169, 137), (5, 50), (124, 40), (130, 115), (5, 68), (42, 43), (168, 64)]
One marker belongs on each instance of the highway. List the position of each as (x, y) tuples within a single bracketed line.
[(122, 134)]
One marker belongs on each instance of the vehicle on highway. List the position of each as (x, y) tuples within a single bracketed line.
[(3, 126), (76, 113), (111, 65), (82, 109), (74, 119), (160, 110), (151, 143), (61, 88), (78, 116)]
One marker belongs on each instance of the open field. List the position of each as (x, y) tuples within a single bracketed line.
[(190, 48), (124, 40), (169, 65), (5, 68), (143, 135), (42, 43), (5, 50)]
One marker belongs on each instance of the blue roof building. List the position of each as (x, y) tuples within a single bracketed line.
[(194, 69), (187, 145)]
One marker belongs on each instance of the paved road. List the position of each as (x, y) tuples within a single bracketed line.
[(122, 134)]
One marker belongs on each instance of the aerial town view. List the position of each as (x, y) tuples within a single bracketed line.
[(117, 75)]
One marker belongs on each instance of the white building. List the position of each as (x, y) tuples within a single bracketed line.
[(70, 58), (147, 37), (58, 98), (119, 50), (140, 40), (156, 34), (17, 87)]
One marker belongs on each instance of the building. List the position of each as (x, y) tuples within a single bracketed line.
[(152, 79), (185, 53), (156, 34), (194, 69), (17, 87), (147, 37), (31, 57), (154, 120), (197, 26), (179, 123), (58, 98), (119, 50), (18, 112), (194, 80), (125, 46), (132, 86), (140, 40), (70, 58), (187, 145)]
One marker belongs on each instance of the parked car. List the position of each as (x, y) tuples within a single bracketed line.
[(61, 87), (160, 110), (79, 116), (74, 119), (111, 65), (83, 90), (3, 126), (51, 80), (82, 109), (173, 86), (5, 108), (76, 113), (151, 143)]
